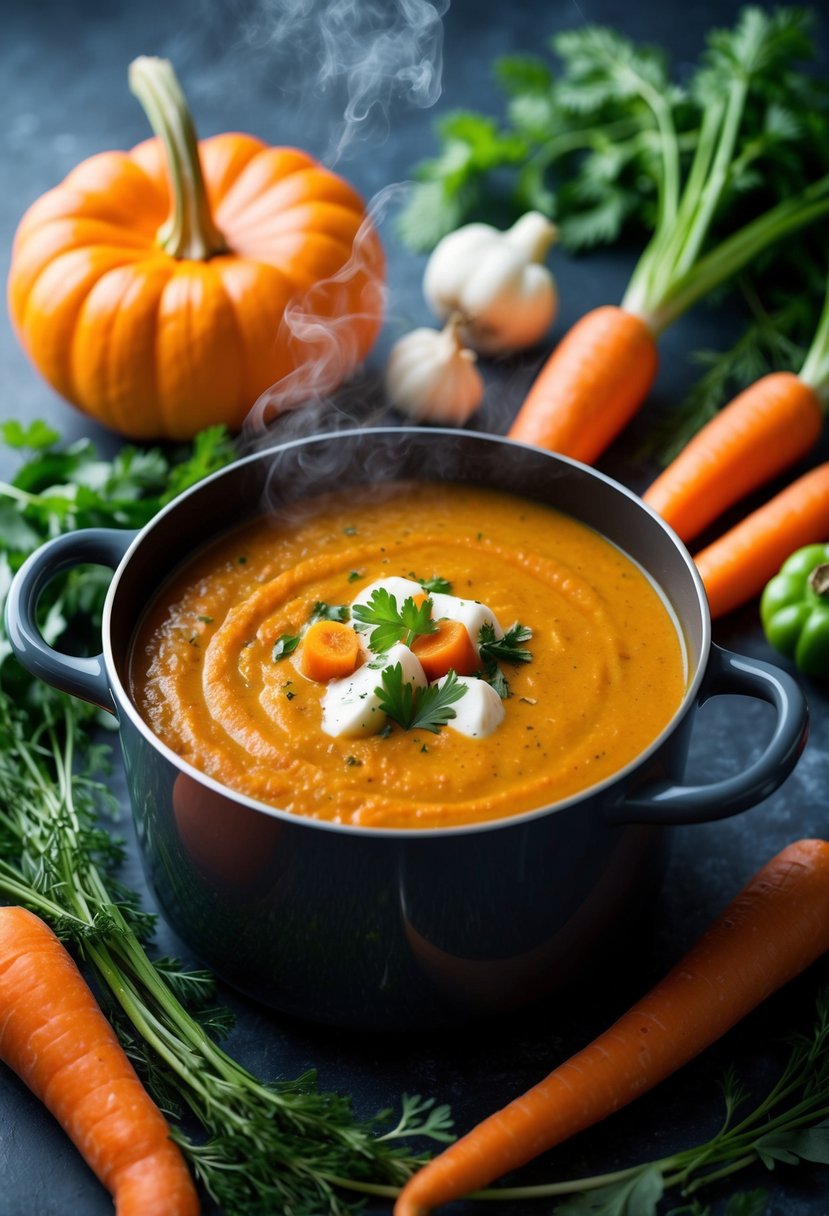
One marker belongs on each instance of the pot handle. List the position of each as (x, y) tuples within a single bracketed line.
[(83, 677), (665, 802)]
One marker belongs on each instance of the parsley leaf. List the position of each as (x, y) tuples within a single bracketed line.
[(435, 585), (285, 645), (392, 624), (416, 708), (508, 649), (328, 612)]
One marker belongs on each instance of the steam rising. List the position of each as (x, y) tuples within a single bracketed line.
[(373, 53), (373, 56)]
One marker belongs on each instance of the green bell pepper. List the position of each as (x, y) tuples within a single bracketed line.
[(794, 610)]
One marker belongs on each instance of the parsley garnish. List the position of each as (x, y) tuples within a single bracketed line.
[(416, 708), (353, 575), (508, 649), (435, 585), (328, 612), (285, 645), (393, 624)]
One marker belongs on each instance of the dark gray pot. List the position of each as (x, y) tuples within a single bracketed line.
[(392, 928)]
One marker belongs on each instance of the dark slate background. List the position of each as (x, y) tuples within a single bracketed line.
[(244, 67)]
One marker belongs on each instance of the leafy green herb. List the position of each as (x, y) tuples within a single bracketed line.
[(435, 586), (328, 612), (507, 649), (282, 1146), (350, 530), (418, 708), (206, 620), (284, 645), (391, 624), (354, 575)]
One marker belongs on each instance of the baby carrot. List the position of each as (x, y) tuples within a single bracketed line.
[(760, 433), (591, 385), (773, 930), (737, 565), (54, 1036), (449, 647), (330, 651)]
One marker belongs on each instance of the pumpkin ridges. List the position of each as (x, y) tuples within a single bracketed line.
[(126, 302), (260, 293), (107, 187), (195, 321), (263, 173), (60, 236), (224, 158), (322, 219), (300, 188), (50, 311)]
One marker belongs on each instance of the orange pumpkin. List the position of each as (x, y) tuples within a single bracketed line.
[(150, 288)]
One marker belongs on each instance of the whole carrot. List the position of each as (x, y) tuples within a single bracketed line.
[(759, 434), (591, 385), (773, 930), (54, 1036), (737, 565)]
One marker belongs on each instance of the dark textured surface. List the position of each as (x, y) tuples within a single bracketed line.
[(64, 97)]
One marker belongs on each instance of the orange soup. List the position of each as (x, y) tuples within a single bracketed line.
[(216, 667)]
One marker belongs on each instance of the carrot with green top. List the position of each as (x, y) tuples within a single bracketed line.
[(54, 1036), (775, 928), (598, 377), (761, 433), (737, 566)]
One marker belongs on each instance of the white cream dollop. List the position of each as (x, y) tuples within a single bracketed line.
[(479, 712), (352, 707)]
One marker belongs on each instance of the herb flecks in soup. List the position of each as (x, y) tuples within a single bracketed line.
[(214, 666)]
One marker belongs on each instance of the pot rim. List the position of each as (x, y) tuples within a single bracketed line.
[(125, 704)]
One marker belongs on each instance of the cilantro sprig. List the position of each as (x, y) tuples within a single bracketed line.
[(418, 708), (508, 649), (391, 624)]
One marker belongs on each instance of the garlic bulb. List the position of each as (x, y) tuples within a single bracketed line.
[(495, 280), (431, 376)]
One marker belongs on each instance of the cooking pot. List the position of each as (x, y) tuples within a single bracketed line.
[(393, 928)]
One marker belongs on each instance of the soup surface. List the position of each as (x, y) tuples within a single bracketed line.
[(606, 675)]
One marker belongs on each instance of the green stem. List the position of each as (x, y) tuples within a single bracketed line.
[(731, 255), (716, 1175), (815, 369), (190, 231)]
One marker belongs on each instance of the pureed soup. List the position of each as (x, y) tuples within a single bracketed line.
[(218, 672)]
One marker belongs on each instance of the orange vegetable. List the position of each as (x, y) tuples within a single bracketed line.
[(591, 385), (450, 647), (330, 651), (151, 287), (760, 433), (772, 931), (737, 565), (54, 1036)]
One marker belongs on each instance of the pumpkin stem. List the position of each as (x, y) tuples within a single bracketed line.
[(190, 231)]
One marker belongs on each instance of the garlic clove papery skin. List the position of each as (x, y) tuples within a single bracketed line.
[(496, 281), (431, 376)]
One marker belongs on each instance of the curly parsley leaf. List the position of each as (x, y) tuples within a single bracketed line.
[(417, 708), (391, 624)]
